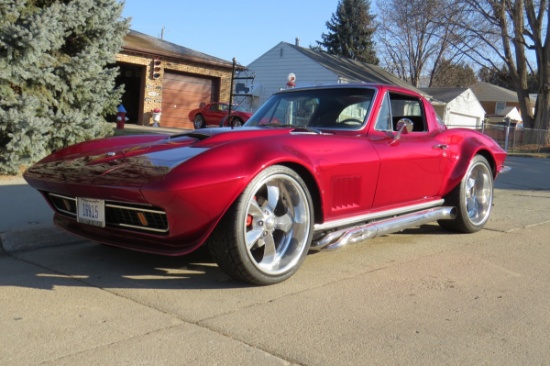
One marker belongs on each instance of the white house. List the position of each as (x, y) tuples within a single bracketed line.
[(273, 68), (457, 107)]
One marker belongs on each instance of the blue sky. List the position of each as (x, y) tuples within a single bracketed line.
[(244, 29)]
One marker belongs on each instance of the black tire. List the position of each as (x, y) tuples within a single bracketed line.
[(265, 236), (473, 198), (236, 122), (199, 122)]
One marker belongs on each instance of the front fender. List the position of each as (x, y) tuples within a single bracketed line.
[(206, 186)]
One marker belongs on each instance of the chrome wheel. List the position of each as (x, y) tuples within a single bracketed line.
[(473, 198), (277, 224), (265, 236), (479, 193)]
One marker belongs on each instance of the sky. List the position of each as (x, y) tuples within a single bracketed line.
[(241, 29)]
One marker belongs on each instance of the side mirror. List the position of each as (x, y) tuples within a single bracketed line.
[(404, 126)]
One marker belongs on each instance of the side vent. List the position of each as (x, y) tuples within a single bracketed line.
[(346, 192)]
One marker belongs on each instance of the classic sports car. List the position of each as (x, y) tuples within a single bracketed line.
[(313, 168), (216, 114)]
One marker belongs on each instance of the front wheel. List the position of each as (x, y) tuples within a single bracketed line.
[(199, 122), (473, 198), (264, 237)]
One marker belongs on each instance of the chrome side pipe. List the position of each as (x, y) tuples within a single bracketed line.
[(350, 235)]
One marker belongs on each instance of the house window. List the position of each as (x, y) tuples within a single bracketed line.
[(499, 106)]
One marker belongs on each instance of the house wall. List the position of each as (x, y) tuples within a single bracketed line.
[(152, 88), (273, 67), (464, 111)]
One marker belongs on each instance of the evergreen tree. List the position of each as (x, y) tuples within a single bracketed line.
[(57, 79), (351, 31)]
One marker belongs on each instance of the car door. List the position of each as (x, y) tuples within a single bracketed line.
[(412, 167), (215, 113)]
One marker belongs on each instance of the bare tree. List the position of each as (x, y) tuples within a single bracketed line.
[(415, 40), (512, 28)]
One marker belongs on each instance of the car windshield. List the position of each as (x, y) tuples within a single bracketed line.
[(345, 108)]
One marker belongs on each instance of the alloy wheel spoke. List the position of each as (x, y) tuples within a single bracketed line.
[(284, 223), (272, 196), (470, 183), (270, 251), (254, 209), (471, 206), (252, 237)]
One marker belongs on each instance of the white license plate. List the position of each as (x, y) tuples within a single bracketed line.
[(90, 211)]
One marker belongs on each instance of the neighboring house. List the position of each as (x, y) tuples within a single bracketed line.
[(509, 112), (497, 101), (457, 107), (175, 79), (273, 68)]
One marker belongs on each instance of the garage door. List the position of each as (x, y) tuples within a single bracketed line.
[(182, 93), (462, 120)]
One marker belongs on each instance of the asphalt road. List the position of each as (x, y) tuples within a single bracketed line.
[(420, 297)]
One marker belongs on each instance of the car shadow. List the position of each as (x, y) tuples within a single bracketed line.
[(110, 267)]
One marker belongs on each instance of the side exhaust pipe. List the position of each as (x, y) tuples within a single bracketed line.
[(337, 239)]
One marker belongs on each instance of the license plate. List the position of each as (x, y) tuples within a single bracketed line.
[(91, 211)]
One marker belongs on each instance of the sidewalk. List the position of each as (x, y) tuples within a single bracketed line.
[(26, 221)]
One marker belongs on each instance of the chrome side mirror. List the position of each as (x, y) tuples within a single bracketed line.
[(404, 126)]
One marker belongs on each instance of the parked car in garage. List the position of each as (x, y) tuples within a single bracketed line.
[(313, 168), (216, 114)]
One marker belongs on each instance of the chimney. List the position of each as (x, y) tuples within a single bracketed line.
[(297, 42)]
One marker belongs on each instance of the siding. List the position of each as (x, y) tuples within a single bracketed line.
[(273, 67), (465, 111)]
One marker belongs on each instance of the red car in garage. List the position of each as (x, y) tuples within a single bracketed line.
[(216, 114)]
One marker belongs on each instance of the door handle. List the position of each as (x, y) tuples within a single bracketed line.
[(441, 146)]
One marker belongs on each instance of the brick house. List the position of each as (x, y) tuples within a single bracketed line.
[(175, 79)]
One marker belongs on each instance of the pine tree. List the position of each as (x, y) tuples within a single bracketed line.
[(57, 75), (351, 31)]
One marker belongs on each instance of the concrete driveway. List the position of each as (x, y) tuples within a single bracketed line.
[(420, 297)]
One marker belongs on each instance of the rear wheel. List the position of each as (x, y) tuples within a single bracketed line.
[(473, 198), (236, 122), (199, 122), (265, 236)]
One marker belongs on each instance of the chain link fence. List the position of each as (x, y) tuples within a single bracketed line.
[(519, 140)]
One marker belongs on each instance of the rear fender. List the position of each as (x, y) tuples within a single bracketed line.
[(469, 149)]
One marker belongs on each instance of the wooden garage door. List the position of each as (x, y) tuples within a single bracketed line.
[(180, 94)]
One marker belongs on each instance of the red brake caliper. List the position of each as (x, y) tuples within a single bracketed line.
[(249, 218)]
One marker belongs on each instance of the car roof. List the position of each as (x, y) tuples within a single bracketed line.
[(378, 86)]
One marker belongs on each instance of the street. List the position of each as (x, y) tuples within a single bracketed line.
[(420, 297)]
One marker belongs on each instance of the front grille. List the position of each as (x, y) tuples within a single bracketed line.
[(118, 214)]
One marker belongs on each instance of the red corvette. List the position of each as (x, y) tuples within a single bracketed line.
[(313, 168), (216, 114)]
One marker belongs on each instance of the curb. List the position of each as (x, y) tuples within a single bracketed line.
[(21, 240)]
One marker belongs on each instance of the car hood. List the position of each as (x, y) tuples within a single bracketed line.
[(134, 160)]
